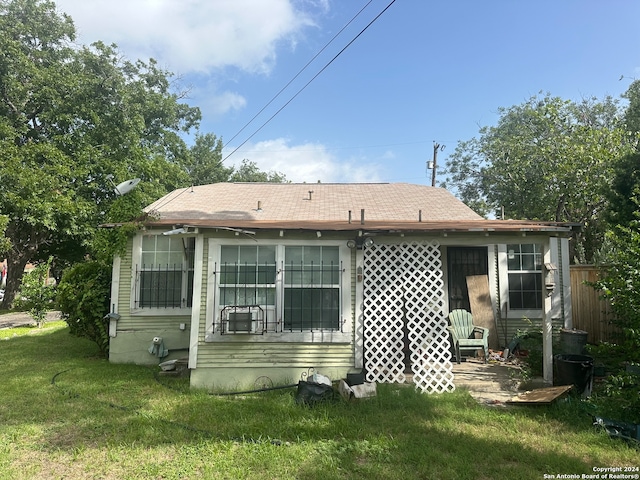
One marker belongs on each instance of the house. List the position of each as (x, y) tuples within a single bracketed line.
[(263, 280)]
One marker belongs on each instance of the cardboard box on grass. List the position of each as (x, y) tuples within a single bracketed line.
[(364, 390)]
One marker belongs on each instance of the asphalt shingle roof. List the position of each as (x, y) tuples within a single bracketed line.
[(288, 202), (329, 206)]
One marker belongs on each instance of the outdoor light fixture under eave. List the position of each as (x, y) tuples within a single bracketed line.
[(176, 231), (181, 231), (360, 243)]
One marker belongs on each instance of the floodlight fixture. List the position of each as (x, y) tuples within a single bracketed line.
[(176, 231)]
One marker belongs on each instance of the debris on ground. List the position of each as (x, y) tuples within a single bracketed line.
[(314, 388), (541, 396), (363, 390), (629, 432)]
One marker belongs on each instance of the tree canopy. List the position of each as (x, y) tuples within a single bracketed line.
[(203, 162), (74, 121), (625, 185), (69, 117), (248, 171), (547, 159)]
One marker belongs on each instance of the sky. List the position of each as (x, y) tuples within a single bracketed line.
[(371, 85)]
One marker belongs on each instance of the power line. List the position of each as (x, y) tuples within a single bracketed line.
[(171, 199), (299, 72), (307, 84), (325, 148)]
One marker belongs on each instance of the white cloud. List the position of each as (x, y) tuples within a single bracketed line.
[(216, 104), (191, 35), (308, 162), (202, 40)]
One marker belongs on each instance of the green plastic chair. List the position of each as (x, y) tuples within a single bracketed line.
[(465, 333)]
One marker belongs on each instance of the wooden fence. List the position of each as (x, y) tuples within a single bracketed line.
[(590, 313)]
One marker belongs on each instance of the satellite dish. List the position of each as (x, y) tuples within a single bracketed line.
[(126, 186)]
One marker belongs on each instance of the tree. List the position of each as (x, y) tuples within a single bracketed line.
[(203, 163), (625, 188), (69, 117), (249, 172), (36, 293), (73, 117), (547, 159), (5, 243), (625, 184), (632, 113)]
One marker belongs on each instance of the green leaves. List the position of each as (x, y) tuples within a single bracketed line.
[(5, 243), (69, 117), (83, 297), (37, 293), (546, 159), (74, 117), (249, 172), (203, 161)]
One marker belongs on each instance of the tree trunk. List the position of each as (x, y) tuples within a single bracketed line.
[(15, 270)]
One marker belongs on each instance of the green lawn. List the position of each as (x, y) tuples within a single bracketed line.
[(67, 413)]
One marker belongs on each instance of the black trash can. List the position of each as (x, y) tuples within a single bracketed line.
[(576, 370), (572, 342)]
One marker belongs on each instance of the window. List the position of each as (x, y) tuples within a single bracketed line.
[(311, 288), (247, 287), (524, 262), (278, 288), (165, 274)]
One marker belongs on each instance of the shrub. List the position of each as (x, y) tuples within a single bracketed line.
[(619, 397), (621, 286), (83, 299), (531, 341), (36, 294)]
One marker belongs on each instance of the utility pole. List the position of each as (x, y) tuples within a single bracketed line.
[(433, 165)]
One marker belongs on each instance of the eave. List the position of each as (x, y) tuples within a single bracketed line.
[(453, 226)]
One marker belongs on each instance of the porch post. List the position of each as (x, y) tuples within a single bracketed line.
[(358, 313), (114, 307), (196, 302), (547, 331)]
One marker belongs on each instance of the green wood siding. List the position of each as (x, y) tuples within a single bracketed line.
[(508, 328), (217, 356), (134, 333), (271, 354)]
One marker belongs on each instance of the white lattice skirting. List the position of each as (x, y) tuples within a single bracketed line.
[(404, 296)]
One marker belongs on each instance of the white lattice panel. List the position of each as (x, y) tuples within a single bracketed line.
[(403, 284), (383, 315)]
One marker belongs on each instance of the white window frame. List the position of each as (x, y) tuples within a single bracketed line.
[(213, 309), (503, 272), (136, 258)]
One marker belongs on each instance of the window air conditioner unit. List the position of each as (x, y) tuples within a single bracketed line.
[(239, 322)]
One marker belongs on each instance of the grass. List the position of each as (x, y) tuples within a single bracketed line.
[(67, 413)]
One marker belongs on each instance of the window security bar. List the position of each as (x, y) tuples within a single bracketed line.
[(306, 295), (163, 286), (312, 297)]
